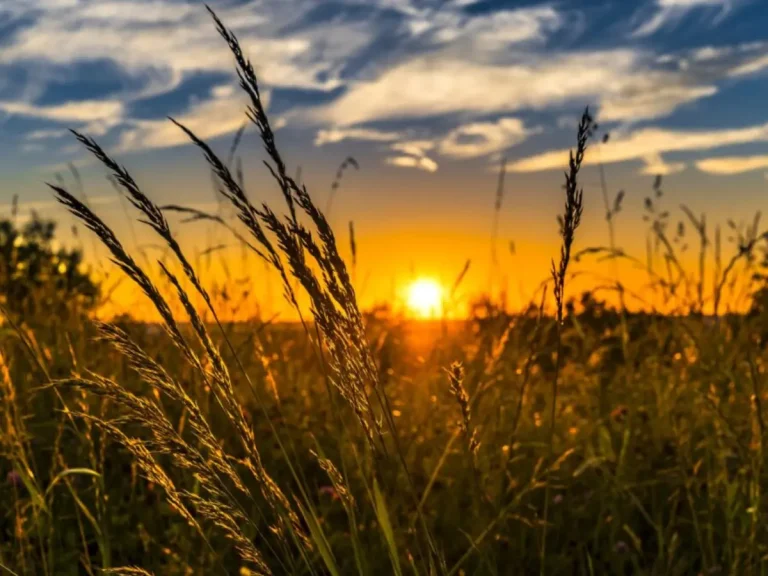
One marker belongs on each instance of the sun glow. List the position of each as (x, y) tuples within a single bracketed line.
[(425, 298)]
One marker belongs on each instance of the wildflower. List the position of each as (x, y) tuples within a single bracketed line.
[(329, 491), (619, 413), (13, 478), (621, 547)]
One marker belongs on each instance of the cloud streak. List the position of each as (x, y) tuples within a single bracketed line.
[(729, 165), (483, 138), (463, 80), (670, 12), (647, 143)]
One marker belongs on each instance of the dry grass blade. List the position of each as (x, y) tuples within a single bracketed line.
[(335, 309), (349, 161), (196, 215), (456, 376), (337, 480), (124, 261), (127, 571), (227, 399)]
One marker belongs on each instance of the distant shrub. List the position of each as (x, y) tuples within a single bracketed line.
[(37, 276)]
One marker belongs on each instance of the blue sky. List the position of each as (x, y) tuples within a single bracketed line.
[(427, 94), (429, 82)]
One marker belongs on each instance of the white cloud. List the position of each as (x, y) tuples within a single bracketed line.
[(83, 111), (141, 36), (567, 122), (152, 12), (423, 163), (334, 135), (670, 12), (691, 3), (32, 147), (207, 119), (158, 43), (656, 166), (649, 97), (417, 148), (646, 143), (481, 138), (621, 80), (413, 154), (460, 65), (494, 30), (732, 164), (45, 134), (751, 66)]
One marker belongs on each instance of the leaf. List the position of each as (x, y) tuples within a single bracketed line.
[(70, 472), (319, 539), (605, 443), (382, 515), (624, 448), (593, 462), (634, 537)]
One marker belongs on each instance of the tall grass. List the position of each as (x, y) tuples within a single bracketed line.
[(589, 441)]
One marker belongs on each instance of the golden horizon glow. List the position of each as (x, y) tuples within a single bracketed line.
[(425, 298)]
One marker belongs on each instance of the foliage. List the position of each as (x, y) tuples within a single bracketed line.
[(38, 277)]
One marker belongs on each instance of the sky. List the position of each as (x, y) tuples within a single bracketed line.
[(429, 96)]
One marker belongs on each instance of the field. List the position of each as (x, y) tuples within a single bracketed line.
[(574, 437)]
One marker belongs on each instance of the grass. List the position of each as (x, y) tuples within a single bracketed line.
[(591, 441)]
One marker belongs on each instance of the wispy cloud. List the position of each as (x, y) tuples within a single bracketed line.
[(627, 84), (369, 61), (670, 12), (45, 134), (334, 135), (413, 154), (422, 163), (82, 111), (171, 36), (222, 114), (656, 166), (159, 43), (728, 165), (647, 143), (482, 138), (486, 32)]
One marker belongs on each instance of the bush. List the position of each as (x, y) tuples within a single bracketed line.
[(38, 277)]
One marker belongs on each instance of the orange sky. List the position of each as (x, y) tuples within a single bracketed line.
[(408, 224)]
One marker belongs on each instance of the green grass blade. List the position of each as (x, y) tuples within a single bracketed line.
[(382, 515)]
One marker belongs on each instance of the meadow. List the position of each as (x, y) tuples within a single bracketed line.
[(572, 437)]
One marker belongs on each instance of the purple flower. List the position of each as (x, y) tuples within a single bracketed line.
[(621, 547), (329, 491), (13, 478)]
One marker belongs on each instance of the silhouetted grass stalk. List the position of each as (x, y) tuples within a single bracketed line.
[(569, 222)]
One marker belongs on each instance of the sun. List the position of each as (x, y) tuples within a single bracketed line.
[(425, 298)]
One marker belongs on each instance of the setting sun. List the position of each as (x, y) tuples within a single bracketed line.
[(425, 298)]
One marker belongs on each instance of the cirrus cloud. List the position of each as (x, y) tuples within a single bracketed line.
[(728, 165), (482, 138), (647, 143)]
